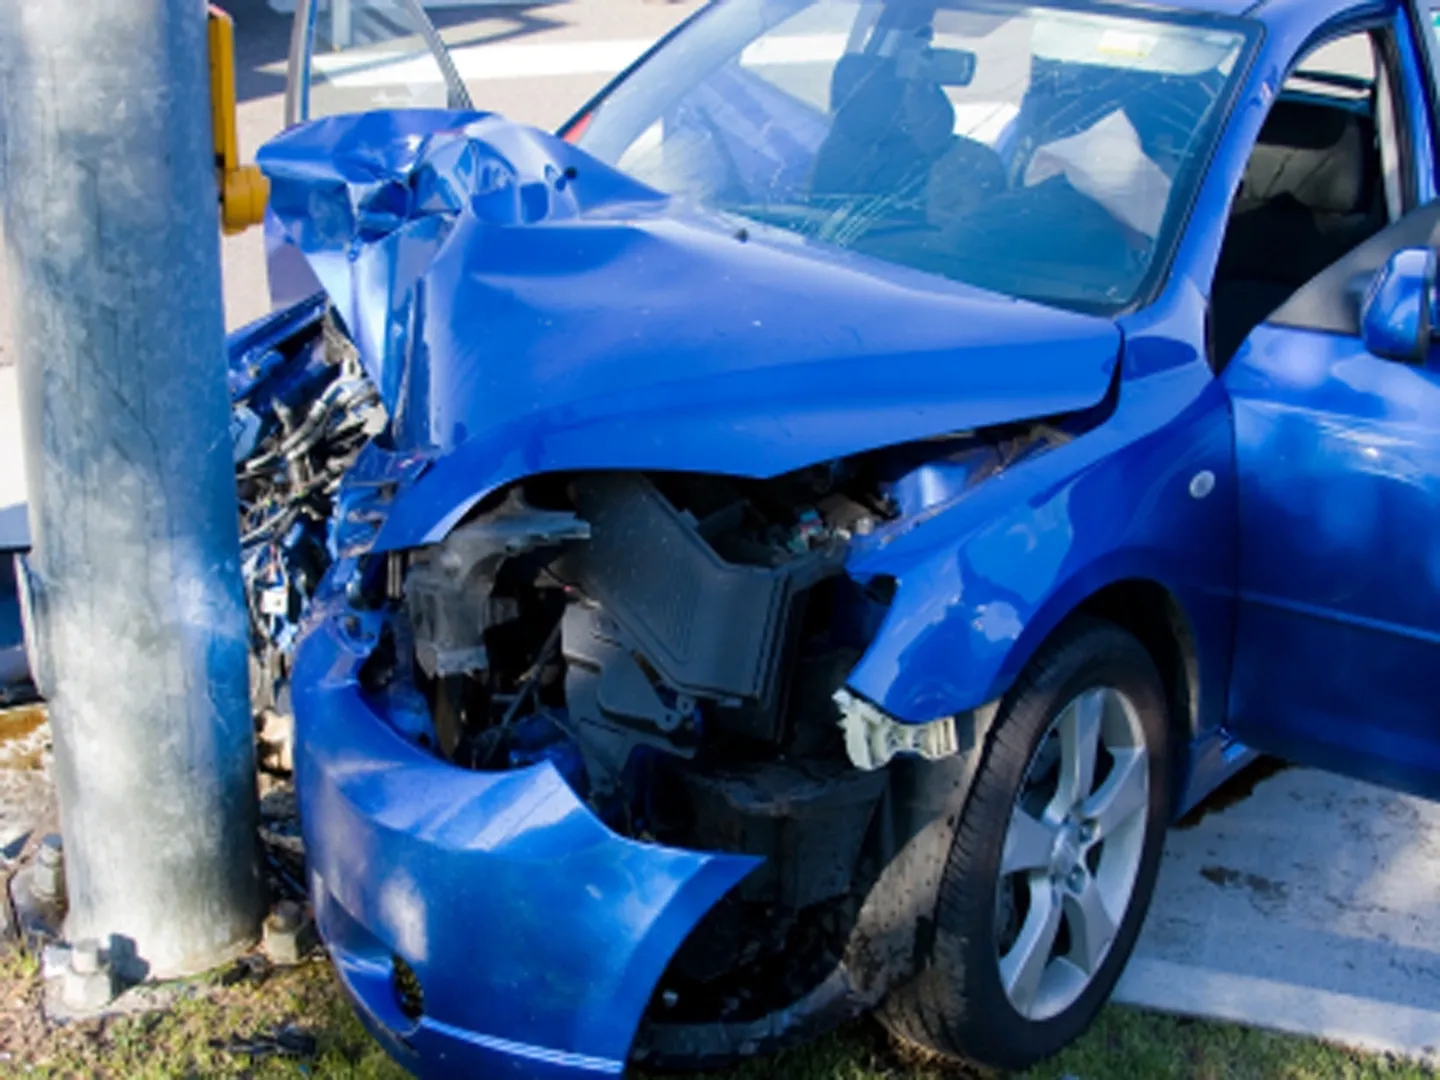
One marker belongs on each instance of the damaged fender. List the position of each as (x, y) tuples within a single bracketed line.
[(983, 580), (983, 577)]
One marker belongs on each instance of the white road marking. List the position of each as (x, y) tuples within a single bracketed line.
[(354, 70)]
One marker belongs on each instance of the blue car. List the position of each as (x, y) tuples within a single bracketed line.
[(787, 545), (15, 684)]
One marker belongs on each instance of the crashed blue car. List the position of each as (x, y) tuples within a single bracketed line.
[(787, 545)]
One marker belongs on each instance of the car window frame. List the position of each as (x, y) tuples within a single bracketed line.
[(574, 127), (1386, 44), (1324, 304), (1427, 44), (1382, 39)]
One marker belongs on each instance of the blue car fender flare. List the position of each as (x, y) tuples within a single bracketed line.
[(980, 586)]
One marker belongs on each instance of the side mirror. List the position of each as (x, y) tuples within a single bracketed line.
[(1397, 315)]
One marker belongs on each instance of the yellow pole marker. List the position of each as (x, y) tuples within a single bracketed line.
[(244, 190)]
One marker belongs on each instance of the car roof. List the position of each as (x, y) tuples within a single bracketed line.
[(1273, 11), (1218, 7)]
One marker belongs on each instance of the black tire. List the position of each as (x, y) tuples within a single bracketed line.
[(957, 1005)]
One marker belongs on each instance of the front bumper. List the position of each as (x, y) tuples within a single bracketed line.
[(536, 934)]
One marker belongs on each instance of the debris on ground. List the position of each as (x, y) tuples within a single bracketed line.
[(289, 1041)]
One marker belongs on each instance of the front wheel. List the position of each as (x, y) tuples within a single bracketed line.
[(1054, 860)]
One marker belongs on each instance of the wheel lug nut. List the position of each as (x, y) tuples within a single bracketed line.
[(1087, 831), (1076, 880)]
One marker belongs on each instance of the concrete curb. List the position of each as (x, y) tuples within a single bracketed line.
[(1356, 1022)]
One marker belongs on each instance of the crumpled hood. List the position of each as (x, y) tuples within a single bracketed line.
[(525, 308)]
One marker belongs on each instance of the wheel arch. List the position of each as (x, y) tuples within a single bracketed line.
[(928, 1010), (1124, 590), (1154, 616)]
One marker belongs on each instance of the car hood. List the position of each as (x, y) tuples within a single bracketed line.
[(525, 308)]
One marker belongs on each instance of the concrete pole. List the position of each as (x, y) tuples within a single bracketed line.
[(112, 241)]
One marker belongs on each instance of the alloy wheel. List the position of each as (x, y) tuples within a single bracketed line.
[(1072, 852)]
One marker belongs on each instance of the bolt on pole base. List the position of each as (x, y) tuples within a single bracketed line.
[(288, 934), (133, 588), (36, 895), (88, 984), (73, 992)]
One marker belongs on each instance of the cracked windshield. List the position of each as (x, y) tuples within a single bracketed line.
[(1040, 152)]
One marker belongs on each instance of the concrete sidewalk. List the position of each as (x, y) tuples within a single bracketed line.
[(1309, 906)]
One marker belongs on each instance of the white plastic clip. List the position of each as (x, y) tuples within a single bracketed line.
[(872, 738)]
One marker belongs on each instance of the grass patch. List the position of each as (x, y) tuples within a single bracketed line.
[(213, 1031), (1125, 1043), (235, 1031)]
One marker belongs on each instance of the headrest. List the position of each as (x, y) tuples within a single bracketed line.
[(850, 72), (872, 103), (1317, 154)]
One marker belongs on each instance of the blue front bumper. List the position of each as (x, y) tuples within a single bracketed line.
[(536, 933)]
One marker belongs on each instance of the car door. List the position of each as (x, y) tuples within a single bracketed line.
[(1337, 435)]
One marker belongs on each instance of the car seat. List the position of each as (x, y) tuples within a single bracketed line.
[(1311, 193), (887, 132)]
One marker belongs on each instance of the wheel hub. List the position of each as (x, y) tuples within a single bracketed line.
[(1068, 851)]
